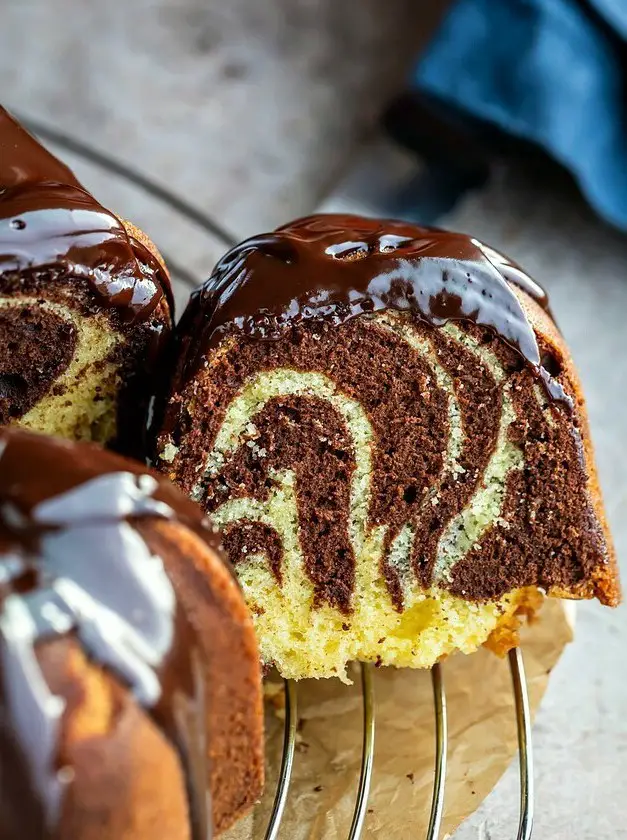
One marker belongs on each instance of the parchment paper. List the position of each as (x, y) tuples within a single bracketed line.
[(482, 742)]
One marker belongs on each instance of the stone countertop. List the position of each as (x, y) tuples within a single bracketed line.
[(248, 108)]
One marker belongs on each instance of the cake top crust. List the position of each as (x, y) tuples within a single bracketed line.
[(74, 562), (49, 221), (334, 267)]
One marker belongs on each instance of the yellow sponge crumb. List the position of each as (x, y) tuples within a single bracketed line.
[(85, 407), (306, 642)]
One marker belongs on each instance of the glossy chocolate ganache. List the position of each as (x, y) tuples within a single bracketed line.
[(332, 268), (48, 220), (75, 563)]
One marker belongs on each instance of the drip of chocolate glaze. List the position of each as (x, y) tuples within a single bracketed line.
[(48, 220), (332, 268), (71, 561)]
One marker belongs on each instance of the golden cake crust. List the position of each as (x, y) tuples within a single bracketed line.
[(604, 583)]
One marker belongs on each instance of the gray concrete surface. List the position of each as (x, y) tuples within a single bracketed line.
[(251, 110)]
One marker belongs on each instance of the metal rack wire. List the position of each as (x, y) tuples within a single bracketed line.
[(523, 723), (516, 665)]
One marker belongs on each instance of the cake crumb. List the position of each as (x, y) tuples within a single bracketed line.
[(170, 451)]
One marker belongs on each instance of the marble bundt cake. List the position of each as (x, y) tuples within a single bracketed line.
[(387, 425), (85, 305), (130, 687)]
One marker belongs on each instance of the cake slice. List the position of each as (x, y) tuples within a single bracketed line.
[(85, 304), (130, 685), (388, 427)]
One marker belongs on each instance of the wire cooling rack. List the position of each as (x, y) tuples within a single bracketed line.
[(523, 723), (516, 665)]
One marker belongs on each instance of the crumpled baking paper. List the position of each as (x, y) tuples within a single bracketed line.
[(482, 742)]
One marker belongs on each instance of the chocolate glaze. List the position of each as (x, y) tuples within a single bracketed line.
[(332, 268), (72, 561), (48, 220)]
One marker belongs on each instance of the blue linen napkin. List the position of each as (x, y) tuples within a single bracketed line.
[(548, 71)]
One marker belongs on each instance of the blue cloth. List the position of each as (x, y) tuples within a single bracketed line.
[(614, 12), (545, 71)]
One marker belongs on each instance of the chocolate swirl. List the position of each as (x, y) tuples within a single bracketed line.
[(74, 561), (378, 438)]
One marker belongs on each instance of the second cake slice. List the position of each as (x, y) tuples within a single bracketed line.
[(387, 425), (85, 304)]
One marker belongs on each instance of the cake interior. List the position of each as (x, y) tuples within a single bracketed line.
[(71, 389), (388, 491)]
